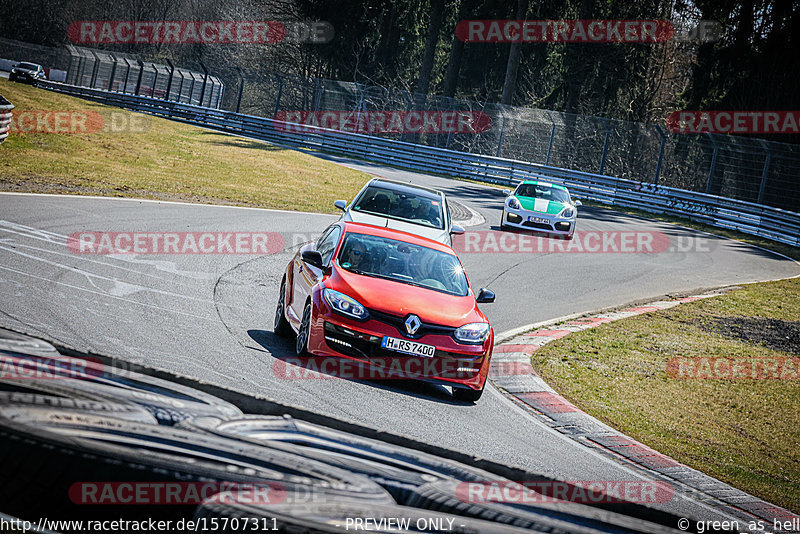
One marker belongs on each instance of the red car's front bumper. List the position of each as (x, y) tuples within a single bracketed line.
[(333, 335)]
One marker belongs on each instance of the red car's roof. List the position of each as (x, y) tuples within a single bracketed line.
[(399, 235)]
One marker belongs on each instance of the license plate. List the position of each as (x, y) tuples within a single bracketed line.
[(409, 347), (539, 220)]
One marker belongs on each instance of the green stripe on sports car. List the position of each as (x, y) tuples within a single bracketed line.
[(542, 197), (541, 205)]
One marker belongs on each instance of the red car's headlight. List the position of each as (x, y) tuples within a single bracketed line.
[(345, 305), (473, 333)]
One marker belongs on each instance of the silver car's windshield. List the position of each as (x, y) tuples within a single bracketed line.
[(28, 66), (403, 262), (404, 206)]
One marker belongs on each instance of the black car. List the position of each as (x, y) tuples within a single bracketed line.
[(27, 73)]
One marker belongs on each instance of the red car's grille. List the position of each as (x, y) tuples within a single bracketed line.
[(359, 345), (399, 324)]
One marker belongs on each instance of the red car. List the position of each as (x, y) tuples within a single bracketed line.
[(394, 303)]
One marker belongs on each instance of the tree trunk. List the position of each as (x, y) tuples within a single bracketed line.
[(512, 67), (434, 27)]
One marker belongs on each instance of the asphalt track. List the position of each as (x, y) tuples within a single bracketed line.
[(210, 316)]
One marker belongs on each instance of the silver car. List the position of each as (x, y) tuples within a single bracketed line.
[(417, 210)]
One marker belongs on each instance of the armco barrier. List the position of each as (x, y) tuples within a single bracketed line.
[(771, 223)]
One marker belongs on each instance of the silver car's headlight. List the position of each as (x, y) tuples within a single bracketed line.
[(472, 333), (568, 213), (345, 305), (513, 203)]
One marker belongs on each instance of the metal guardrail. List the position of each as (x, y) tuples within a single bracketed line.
[(751, 218), (5, 117)]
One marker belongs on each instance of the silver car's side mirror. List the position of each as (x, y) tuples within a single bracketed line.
[(506, 192), (578, 203), (341, 204), (456, 230)]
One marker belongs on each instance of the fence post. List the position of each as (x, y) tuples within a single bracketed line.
[(113, 71), (141, 72), (241, 89), (552, 137), (169, 82), (180, 87), (713, 163), (127, 74), (280, 94), (205, 80), (95, 68), (155, 80), (660, 153), (70, 72), (605, 146), (318, 96), (502, 133), (765, 171)]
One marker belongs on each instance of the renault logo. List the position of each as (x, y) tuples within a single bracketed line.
[(412, 324)]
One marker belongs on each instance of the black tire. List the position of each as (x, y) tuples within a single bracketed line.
[(281, 326), (301, 342), (333, 517), (398, 469), (35, 407), (169, 403), (467, 394), (54, 457), (566, 517), (503, 225)]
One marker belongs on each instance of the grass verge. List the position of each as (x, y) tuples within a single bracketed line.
[(137, 155), (744, 432)]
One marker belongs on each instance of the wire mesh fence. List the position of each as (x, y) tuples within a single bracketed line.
[(114, 71), (119, 72), (739, 167)]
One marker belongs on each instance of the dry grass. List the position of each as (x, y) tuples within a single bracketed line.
[(744, 432), (162, 159)]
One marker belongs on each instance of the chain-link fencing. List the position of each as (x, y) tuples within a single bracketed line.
[(734, 166), (740, 167)]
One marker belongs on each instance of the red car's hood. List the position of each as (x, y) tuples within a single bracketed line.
[(400, 299)]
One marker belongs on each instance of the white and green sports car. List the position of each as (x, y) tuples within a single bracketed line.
[(541, 207)]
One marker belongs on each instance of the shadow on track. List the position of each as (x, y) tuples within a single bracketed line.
[(283, 351)]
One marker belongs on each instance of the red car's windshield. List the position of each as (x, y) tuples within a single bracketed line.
[(403, 262)]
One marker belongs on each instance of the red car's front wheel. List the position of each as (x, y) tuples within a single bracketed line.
[(281, 325), (301, 347)]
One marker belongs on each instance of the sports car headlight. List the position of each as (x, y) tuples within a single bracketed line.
[(473, 333), (568, 213), (513, 203), (345, 305)]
